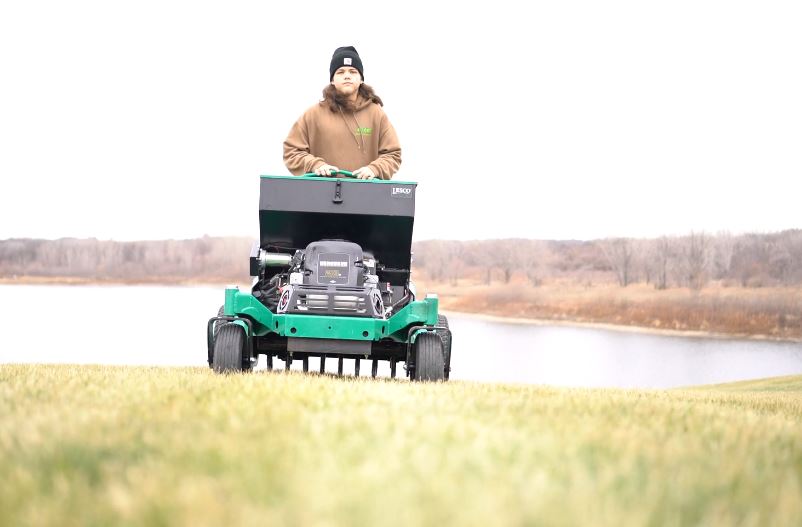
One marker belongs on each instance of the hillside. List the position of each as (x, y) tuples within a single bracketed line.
[(82, 445)]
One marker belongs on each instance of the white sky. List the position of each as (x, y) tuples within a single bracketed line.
[(569, 119)]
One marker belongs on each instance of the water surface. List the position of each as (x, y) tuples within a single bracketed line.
[(161, 325)]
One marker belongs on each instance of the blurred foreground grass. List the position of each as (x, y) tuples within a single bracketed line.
[(87, 445)]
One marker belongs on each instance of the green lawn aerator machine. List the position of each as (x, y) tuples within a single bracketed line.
[(331, 280)]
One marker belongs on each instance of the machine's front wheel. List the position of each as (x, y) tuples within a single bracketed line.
[(445, 336), (218, 323), (215, 328), (229, 350), (428, 358)]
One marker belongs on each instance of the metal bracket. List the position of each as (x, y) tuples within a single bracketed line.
[(338, 188)]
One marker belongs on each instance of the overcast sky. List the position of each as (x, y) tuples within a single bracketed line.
[(569, 119)]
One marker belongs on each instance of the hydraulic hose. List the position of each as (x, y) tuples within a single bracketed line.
[(403, 299)]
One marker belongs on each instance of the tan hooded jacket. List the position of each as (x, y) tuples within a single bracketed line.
[(347, 140)]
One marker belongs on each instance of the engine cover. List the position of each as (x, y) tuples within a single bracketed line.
[(333, 262)]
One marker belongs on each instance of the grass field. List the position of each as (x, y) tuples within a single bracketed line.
[(83, 445)]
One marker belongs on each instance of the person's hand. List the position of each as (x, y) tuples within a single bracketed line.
[(326, 170), (364, 173)]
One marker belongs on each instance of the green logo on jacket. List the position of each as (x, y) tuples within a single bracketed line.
[(363, 131)]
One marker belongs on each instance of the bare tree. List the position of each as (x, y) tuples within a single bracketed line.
[(534, 260), (431, 257), (643, 258), (695, 251), (454, 261), (663, 253), (619, 253), (723, 249), (780, 261), (792, 243), (750, 259), (509, 257), (484, 257)]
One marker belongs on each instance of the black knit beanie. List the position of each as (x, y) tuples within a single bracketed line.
[(345, 56)]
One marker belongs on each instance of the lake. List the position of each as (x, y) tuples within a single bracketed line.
[(165, 325)]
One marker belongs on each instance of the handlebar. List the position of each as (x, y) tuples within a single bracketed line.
[(345, 173)]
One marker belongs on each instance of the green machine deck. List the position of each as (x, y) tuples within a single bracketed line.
[(331, 279)]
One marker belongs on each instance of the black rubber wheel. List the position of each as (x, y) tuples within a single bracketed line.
[(428, 358), (215, 328), (445, 336), (218, 323), (229, 350)]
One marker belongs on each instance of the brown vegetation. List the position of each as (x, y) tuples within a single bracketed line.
[(739, 285), (770, 312)]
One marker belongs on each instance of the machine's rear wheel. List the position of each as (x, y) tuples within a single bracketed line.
[(428, 358), (229, 350), (445, 336)]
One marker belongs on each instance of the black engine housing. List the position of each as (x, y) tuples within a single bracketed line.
[(334, 262)]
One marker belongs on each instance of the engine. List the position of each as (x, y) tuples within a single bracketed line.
[(328, 277)]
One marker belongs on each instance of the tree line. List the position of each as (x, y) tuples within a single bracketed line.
[(201, 259), (692, 260)]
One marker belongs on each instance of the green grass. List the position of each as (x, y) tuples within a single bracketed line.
[(84, 445)]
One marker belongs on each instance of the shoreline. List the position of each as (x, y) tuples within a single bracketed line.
[(620, 327), (75, 281)]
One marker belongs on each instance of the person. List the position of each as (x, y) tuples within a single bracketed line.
[(347, 130)]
